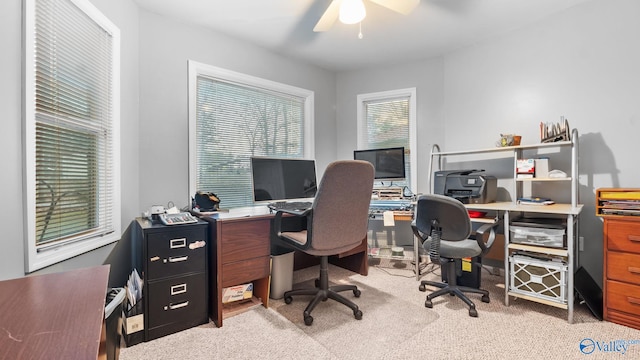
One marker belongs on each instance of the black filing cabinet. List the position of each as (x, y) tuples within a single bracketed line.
[(172, 261)]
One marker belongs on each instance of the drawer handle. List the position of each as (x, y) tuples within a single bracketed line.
[(177, 306), (178, 243), (178, 289), (178, 259), (635, 238), (634, 270), (634, 301)]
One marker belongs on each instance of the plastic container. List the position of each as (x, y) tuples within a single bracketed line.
[(537, 236), (113, 320), (542, 279)]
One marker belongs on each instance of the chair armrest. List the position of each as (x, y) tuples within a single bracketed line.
[(277, 220), (480, 235), (277, 226)]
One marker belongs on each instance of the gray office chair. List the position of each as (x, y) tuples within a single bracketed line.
[(337, 222), (443, 224)]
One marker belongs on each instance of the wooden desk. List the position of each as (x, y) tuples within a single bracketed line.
[(240, 252), (54, 316)]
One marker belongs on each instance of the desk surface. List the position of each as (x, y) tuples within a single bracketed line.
[(53, 316)]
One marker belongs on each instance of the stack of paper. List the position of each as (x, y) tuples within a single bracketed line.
[(134, 288), (535, 201)]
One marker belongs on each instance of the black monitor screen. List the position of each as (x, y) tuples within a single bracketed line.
[(283, 179), (388, 163)]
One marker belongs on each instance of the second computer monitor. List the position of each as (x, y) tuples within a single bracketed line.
[(388, 162)]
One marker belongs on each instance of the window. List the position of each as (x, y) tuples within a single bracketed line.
[(388, 119), (233, 117), (71, 130)]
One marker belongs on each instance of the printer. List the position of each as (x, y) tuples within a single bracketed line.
[(468, 186)]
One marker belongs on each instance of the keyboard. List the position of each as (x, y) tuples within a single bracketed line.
[(178, 218), (290, 205)]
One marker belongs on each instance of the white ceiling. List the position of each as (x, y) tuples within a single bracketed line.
[(286, 26)]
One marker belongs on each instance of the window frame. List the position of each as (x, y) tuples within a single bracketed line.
[(197, 69), (390, 95), (34, 259)]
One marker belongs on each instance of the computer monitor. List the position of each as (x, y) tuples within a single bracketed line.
[(388, 163), (278, 179)]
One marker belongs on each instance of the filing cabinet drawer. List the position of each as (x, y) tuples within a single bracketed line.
[(177, 299), (623, 297), (623, 235), (245, 240), (624, 267), (176, 252), (245, 271)]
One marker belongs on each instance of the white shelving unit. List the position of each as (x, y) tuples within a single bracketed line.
[(569, 211)]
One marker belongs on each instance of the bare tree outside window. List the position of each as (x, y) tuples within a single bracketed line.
[(236, 121)]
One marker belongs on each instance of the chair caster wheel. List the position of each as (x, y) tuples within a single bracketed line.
[(357, 314), (428, 303), (317, 283), (288, 299), (308, 320), (422, 287), (473, 312), (356, 293), (485, 298)]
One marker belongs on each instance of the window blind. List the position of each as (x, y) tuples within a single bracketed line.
[(235, 121), (73, 125), (387, 125)]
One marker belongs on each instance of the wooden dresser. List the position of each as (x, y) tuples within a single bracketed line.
[(621, 283)]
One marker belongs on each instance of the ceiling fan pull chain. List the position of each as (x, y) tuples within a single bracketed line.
[(360, 33)]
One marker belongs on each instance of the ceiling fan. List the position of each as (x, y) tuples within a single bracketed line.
[(340, 9)]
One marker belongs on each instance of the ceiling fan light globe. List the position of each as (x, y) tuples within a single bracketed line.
[(352, 11)]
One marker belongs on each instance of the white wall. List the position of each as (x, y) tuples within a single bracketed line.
[(582, 63), (125, 15), (165, 47), (425, 76)]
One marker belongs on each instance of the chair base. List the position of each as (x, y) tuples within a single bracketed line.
[(453, 289), (323, 291)]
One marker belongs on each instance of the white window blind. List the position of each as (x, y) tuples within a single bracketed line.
[(71, 117), (387, 120), (237, 119), (387, 123)]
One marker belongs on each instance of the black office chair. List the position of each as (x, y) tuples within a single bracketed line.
[(443, 224), (337, 222)]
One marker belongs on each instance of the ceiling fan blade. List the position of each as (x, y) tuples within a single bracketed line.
[(329, 17), (404, 7)]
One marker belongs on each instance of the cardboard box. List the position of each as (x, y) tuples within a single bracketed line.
[(238, 292), (525, 166), (133, 324)]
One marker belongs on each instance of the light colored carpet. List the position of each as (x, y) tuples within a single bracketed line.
[(395, 325), (334, 324)]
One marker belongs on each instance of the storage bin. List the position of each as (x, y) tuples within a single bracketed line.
[(113, 321), (542, 279), (537, 236)]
